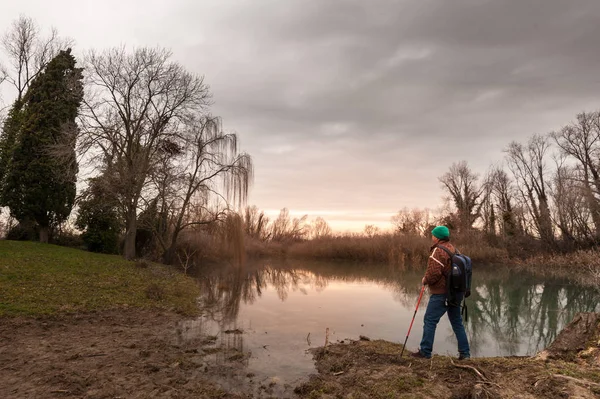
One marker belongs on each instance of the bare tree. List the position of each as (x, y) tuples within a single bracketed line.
[(411, 221), (285, 228), (29, 51), (139, 104), (488, 205), (3, 75), (209, 160), (529, 168), (581, 141), (461, 183), (371, 230), (571, 214), (503, 192), (256, 223), (320, 228)]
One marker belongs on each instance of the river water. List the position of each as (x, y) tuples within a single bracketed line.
[(272, 313)]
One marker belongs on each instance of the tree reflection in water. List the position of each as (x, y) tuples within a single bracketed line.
[(517, 314)]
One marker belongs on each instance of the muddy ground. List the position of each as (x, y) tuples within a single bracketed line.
[(139, 354), (116, 354), (362, 369)]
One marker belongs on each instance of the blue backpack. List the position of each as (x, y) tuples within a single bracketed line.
[(459, 278)]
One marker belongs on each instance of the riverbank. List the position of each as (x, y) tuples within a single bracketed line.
[(139, 353), (109, 354), (41, 279), (363, 369), (77, 324), (569, 367)]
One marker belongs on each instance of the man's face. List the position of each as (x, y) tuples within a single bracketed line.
[(434, 240)]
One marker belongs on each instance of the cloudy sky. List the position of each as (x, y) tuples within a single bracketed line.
[(352, 109)]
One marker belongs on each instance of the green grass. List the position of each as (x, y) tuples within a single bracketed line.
[(41, 279)]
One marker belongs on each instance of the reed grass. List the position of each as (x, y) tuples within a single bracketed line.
[(385, 248), (582, 266), (398, 250)]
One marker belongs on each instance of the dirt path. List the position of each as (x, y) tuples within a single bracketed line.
[(116, 354)]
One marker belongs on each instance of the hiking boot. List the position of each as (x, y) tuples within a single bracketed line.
[(418, 355), (463, 357)]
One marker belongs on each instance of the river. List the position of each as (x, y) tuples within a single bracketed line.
[(271, 313)]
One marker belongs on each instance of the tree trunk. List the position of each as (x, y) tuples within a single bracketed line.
[(44, 234), (545, 222), (171, 252), (130, 233), (594, 208)]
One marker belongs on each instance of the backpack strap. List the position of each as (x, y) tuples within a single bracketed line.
[(440, 263), (450, 254)]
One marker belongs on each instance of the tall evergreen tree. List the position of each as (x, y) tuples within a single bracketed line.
[(8, 138), (40, 176)]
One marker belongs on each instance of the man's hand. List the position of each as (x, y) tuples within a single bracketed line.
[(423, 281)]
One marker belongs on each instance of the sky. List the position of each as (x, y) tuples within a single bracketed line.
[(353, 109)]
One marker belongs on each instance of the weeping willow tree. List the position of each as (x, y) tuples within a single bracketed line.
[(197, 184), (137, 108)]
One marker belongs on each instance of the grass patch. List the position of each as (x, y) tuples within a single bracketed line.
[(41, 279)]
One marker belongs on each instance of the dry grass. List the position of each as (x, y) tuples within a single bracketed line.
[(583, 265), (404, 251), (264, 249), (374, 369), (481, 252), (400, 250), (385, 248)]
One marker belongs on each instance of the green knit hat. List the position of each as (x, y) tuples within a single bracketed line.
[(441, 233)]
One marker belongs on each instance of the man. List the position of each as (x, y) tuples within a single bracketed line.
[(438, 268)]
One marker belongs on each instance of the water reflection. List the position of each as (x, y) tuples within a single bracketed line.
[(522, 314), (283, 309)]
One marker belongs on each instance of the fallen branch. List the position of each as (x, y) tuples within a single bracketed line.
[(538, 381), (338, 373), (461, 366), (484, 379), (577, 380)]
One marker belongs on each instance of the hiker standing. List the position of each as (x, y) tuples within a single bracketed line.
[(438, 268)]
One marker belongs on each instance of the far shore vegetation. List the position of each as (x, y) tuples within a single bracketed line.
[(167, 183)]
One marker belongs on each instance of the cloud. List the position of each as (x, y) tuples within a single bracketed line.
[(348, 104)]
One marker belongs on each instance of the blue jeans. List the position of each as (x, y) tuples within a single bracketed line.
[(435, 310)]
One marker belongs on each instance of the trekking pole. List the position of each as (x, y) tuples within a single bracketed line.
[(413, 319)]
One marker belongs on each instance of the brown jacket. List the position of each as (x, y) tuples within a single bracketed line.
[(438, 268)]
